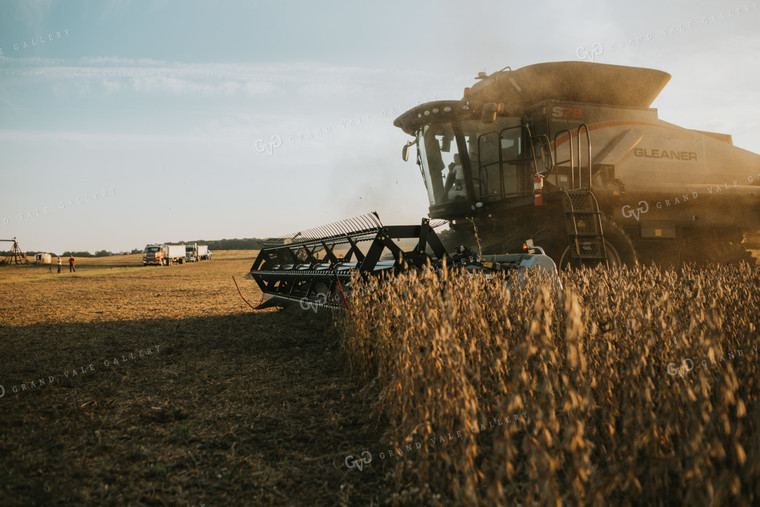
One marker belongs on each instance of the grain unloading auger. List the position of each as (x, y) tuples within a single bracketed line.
[(313, 268)]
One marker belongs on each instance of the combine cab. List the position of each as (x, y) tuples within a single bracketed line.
[(571, 155)]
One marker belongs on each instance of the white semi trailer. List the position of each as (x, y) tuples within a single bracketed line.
[(174, 253)]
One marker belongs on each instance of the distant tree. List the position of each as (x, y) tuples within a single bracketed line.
[(77, 254), (226, 244), (103, 253), (136, 251)]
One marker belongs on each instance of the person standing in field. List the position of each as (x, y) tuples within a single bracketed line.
[(71, 265), (59, 264)]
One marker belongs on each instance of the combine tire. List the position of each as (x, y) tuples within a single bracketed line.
[(620, 249)]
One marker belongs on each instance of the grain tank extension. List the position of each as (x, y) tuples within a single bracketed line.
[(571, 155)]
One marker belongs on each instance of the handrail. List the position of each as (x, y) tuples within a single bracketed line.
[(584, 127), (571, 159), (533, 142)]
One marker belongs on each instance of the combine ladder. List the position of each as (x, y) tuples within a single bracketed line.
[(583, 222), (583, 225)]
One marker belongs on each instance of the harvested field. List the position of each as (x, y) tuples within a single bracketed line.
[(168, 390)]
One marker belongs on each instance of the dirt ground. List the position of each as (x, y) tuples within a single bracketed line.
[(131, 385)]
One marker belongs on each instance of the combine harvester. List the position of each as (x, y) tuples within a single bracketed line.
[(511, 164), (514, 158)]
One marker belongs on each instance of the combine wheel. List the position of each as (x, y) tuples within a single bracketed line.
[(620, 249)]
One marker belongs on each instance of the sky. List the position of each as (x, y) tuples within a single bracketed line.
[(124, 123)]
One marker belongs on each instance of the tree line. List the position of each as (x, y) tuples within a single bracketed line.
[(217, 244)]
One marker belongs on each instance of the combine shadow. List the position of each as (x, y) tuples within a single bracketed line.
[(244, 407)]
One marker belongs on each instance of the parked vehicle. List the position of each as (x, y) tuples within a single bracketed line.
[(163, 254), (154, 255), (191, 253), (42, 258), (174, 253), (196, 252)]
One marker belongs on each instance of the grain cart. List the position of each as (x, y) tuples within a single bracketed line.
[(571, 155)]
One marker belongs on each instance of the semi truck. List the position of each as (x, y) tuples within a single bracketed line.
[(162, 254), (196, 252), (153, 256)]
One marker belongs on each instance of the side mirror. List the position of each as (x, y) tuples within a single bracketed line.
[(488, 115), (405, 151), (543, 155), (446, 145)]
